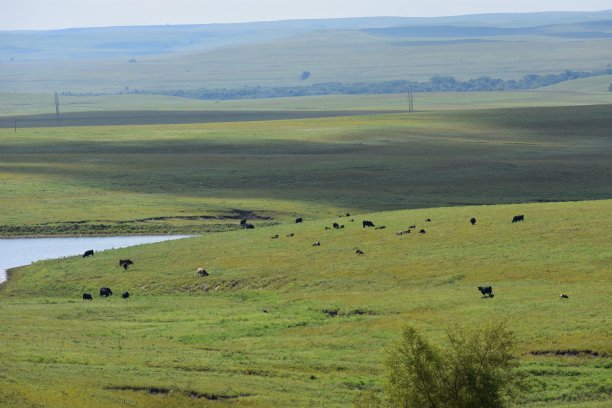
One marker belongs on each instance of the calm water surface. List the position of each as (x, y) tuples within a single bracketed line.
[(23, 251)]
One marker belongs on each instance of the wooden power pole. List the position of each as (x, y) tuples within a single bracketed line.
[(57, 114), (410, 102)]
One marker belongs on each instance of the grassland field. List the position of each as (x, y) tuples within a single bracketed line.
[(282, 323), (150, 179), (587, 91)]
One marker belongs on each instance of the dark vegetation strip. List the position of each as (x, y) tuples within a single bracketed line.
[(119, 118), (166, 391), (435, 84)]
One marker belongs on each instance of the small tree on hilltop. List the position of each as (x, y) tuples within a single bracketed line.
[(304, 75), (475, 370)]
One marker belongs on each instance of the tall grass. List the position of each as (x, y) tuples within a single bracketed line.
[(280, 322)]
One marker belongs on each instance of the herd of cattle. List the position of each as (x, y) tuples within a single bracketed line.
[(486, 291), (106, 292)]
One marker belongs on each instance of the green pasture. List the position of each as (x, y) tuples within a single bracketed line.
[(589, 91), (100, 180), (280, 322), (330, 56)]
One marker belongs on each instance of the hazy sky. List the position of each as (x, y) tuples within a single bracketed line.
[(48, 14)]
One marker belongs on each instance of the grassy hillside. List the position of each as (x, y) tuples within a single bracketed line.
[(183, 178), (280, 322), (589, 91), (275, 54)]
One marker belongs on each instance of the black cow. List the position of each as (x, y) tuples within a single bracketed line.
[(242, 222), (518, 218), (87, 296), (336, 225), (202, 272), (359, 252), (427, 219), (298, 220), (473, 221), (348, 215), (274, 236), (412, 226), (89, 252), (125, 263), (367, 224), (105, 292), (249, 226), (564, 296), (125, 295), (422, 231), (316, 244), (486, 291)]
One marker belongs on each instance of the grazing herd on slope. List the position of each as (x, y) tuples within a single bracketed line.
[(486, 291)]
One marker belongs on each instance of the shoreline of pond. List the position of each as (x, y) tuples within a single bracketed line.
[(7, 270)]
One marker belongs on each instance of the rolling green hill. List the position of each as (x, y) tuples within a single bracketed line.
[(279, 322), (117, 179), (116, 59)]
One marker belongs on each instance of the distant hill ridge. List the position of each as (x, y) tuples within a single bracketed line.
[(103, 42)]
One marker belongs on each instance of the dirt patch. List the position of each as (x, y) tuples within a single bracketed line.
[(568, 353), (166, 391)]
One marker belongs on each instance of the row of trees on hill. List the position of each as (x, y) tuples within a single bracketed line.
[(435, 84)]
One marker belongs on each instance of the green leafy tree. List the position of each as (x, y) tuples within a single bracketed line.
[(475, 369)]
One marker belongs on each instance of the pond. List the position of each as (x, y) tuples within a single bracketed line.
[(23, 251)]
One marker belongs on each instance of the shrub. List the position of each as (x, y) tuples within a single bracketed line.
[(474, 369)]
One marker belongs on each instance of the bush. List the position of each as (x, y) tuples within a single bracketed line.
[(474, 369)]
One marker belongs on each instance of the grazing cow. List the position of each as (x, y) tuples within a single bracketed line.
[(427, 219), (298, 220), (125, 263), (348, 215), (518, 218), (367, 224), (125, 295), (336, 225), (317, 243), (249, 226), (87, 296), (242, 222), (564, 296), (89, 252), (105, 292), (422, 231), (407, 231), (202, 272), (274, 236), (473, 221), (290, 235), (486, 291), (359, 252), (399, 233)]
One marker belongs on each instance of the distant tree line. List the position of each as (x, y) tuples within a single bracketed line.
[(435, 84)]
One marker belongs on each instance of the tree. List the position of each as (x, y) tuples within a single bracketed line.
[(304, 75), (474, 370)]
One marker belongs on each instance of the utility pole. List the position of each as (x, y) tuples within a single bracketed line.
[(410, 101), (57, 115)]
